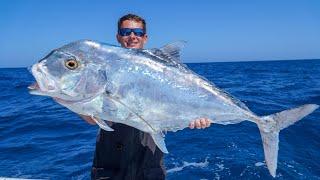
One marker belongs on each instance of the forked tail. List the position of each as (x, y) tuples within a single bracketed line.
[(270, 127)]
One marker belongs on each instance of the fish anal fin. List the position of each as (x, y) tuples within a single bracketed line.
[(148, 141), (158, 139)]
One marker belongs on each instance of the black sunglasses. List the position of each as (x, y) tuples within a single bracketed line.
[(127, 31)]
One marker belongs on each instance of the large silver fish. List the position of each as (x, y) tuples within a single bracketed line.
[(150, 90)]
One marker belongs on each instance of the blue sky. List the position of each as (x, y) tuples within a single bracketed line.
[(224, 30)]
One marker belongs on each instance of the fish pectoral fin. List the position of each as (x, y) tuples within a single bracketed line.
[(119, 102), (158, 139), (102, 124)]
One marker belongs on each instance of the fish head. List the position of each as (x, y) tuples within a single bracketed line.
[(68, 75)]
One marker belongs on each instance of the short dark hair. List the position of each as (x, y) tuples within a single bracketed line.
[(134, 18)]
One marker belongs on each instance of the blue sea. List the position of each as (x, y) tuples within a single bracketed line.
[(41, 139)]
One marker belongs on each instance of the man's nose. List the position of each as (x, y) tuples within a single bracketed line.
[(132, 35)]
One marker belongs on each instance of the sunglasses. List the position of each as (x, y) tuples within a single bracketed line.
[(127, 31)]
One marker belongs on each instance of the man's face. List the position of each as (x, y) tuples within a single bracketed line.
[(132, 41)]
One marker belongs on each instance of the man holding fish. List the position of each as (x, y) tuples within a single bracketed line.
[(149, 90), (126, 152)]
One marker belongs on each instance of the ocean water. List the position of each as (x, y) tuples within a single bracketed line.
[(41, 139)]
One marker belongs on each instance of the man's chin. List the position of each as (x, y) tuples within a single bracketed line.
[(133, 46)]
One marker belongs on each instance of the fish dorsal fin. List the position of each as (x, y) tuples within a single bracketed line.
[(173, 49), (170, 52)]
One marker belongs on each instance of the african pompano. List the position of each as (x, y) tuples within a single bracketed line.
[(150, 90)]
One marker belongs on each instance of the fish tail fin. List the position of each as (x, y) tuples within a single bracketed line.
[(271, 125)]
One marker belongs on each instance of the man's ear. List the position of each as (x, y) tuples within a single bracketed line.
[(118, 38), (145, 38)]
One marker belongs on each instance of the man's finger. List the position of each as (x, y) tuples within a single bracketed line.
[(198, 124), (203, 123), (191, 125), (208, 123)]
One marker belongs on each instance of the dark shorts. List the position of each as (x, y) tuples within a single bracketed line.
[(120, 155)]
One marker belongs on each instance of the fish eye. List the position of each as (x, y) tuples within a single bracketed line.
[(71, 64)]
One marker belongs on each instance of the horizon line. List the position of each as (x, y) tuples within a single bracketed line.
[(263, 60), (229, 61)]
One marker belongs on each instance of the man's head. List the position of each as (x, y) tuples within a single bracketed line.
[(132, 31)]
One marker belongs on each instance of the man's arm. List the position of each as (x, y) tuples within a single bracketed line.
[(200, 123), (88, 119)]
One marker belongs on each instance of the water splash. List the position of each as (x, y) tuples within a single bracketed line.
[(189, 164)]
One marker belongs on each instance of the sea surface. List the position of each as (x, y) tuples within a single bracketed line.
[(41, 139)]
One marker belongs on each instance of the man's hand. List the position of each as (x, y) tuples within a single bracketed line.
[(88, 119), (200, 123)]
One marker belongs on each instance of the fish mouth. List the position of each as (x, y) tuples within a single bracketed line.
[(34, 86), (34, 89), (44, 84)]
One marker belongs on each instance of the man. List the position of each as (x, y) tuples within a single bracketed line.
[(125, 153)]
